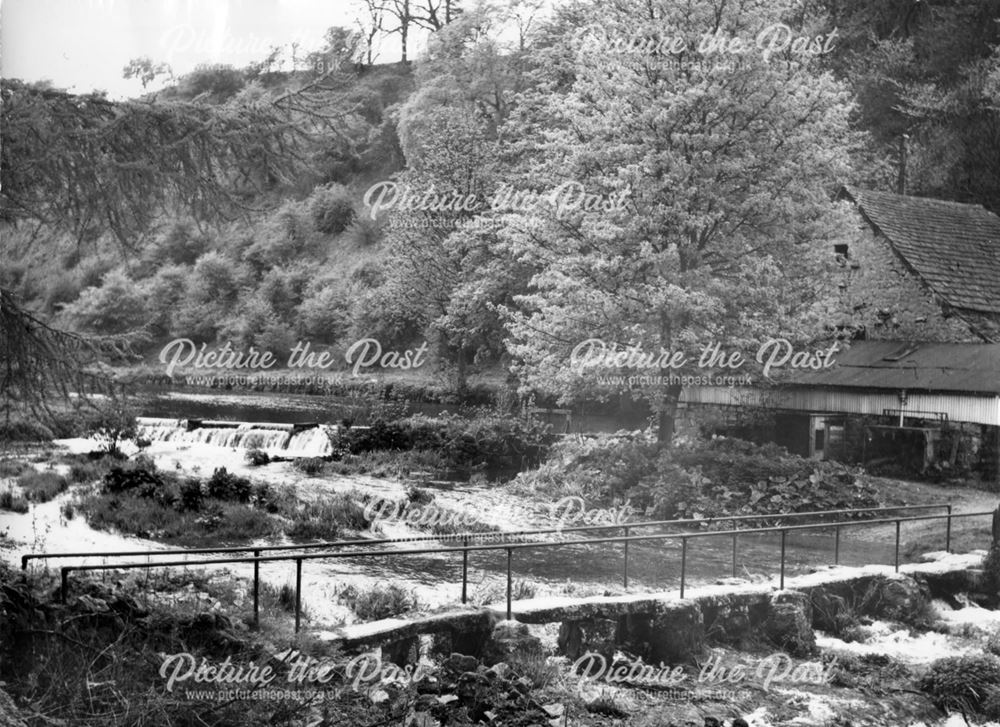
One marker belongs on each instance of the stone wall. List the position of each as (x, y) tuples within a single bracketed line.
[(878, 291)]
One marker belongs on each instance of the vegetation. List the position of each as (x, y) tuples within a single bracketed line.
[(379, 601), (494, 443), (970, 684), (136, 498), (703, 478)]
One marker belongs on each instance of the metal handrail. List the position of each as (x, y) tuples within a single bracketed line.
[(466, 548), (258, 549)]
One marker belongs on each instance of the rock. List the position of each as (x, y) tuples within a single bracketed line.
[(674, 634), (789, 623), (894, 599), (511, 641), (594, 635), (402, 652), (459, 663)]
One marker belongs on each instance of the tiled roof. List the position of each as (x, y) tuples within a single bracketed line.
[(966, 367), (953, 247)]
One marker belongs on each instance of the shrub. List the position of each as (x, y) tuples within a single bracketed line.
[(963, 683), (309, 465), (325, 519), (13, 467), (132, 476), (86, 472), (378, 601), (331, 209), (190, 494), (9, 500), (223, 485), (42, 486), (256, 457)]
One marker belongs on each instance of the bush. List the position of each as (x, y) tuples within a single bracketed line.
[(86, 472), (331, 209), (309, 465), (41, 486), (965, 683), (223, 485), (132, 476), (9, 500), (13, 467), (325, 519), (495, 443), (378, 601), (257, 457)]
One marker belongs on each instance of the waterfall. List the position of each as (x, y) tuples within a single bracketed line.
[(283, 439)]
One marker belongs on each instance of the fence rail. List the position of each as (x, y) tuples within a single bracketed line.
[(259, 549), (466, 548)]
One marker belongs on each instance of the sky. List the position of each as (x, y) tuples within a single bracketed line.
[(83, 45)]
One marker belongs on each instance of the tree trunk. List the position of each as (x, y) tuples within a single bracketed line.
[(668, 415)]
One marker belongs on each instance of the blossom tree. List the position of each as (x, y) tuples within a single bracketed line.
[(711, 142)]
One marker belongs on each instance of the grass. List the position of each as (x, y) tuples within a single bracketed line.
[(379, 601), (216, 522), (42, 486), (325, 519), (12, 501), (10, 467)]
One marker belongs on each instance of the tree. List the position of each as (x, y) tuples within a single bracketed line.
[(146, 70), (712, 185), (87, 164)]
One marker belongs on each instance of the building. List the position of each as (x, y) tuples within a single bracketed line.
[(919, 387), (921, 269)]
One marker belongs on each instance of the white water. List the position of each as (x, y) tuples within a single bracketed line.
[(276, 438)]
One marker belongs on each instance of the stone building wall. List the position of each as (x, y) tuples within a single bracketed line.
[(877, 291)]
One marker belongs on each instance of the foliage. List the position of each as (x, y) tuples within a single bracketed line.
[(256, 457), (378, 601), (964, 683), (41, 486), (325, 518), (757, 147), (12, 501), (496, 443), (311, 466), (704, 478), (332, 209), (224, 485)]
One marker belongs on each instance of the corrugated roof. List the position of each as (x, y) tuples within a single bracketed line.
[(960, 367), (953, 247)]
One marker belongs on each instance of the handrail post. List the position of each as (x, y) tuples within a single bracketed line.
[(897, 546), (684, 556), (784, 534), (298, 593), (465, 568), (734, 555), (836, 546), (947, 535), (24, 561), (510, 552), (625, 565), (256, 590), (64, 580)]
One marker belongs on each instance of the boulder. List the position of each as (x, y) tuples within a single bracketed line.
[(511, 641), (595, 635), (789, 623), (673, 634)]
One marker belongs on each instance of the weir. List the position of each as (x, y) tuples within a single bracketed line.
[(290, 440)]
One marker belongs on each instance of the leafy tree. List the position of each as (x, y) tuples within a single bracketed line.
[(719, 178), (116, 306)]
